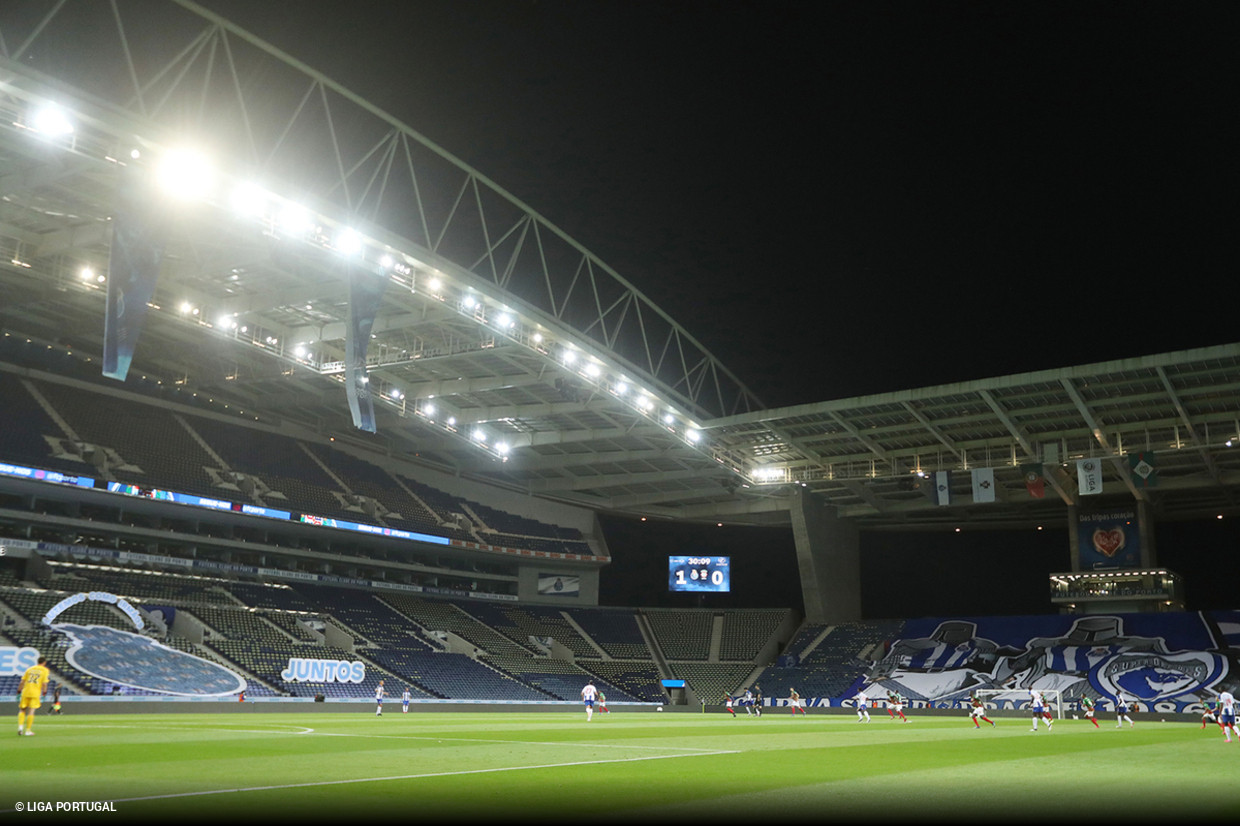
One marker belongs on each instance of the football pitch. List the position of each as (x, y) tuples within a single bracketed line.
[(622, 767)]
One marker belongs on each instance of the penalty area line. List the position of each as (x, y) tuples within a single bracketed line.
[(422, 776)]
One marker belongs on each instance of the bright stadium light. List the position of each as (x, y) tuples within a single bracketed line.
[(248, 199), (349, 243), (295, 220), (185, 175), (52, 121)]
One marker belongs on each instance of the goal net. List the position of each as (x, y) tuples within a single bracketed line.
[(1019, 700)]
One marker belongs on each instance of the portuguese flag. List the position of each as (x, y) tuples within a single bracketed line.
[(1034, 481)]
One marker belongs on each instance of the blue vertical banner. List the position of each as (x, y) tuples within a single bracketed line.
[(366, 286), (139, 233), (1109, 539)]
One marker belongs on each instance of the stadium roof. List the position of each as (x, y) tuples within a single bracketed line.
[(503, 350)]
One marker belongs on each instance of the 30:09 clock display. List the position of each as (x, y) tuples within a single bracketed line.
[(698, 574)]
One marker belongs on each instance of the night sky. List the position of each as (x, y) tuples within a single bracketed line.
[(840, 199)]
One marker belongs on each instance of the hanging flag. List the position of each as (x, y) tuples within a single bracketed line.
[(1035, 483), (983, 484), (366, 286), (1089, 476), (943, 487), (1144, 473), (139, 230)]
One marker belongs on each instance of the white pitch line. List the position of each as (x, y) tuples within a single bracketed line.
[(190, 727), (559, 743), (407, 777)]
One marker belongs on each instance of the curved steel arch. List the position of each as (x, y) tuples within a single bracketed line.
[(184, 71)]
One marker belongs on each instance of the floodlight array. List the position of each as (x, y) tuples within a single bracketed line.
[(188, 176)]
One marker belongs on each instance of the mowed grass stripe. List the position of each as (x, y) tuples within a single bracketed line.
[(556, 765)]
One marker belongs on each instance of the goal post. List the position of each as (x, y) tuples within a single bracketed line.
[(1018, 699)]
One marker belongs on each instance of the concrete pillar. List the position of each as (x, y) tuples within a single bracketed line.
[(829, 560), (1145, 528)]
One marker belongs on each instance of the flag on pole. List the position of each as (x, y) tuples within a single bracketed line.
[(983, 484), (1144, 473), (1035, 483), (1089, 476)]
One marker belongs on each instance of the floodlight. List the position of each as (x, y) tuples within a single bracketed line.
[(349, 242), (295, 220), (52, 121), (428, 409), (248, 199), (480, 436), (185, 174)]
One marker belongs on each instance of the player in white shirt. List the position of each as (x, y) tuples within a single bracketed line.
[(1227, 715), (404, 701), (863, 707), (1037, 706), (1122, 704), (587, 696), (379, 699)]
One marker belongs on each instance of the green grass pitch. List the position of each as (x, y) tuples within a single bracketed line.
[(633, 766)]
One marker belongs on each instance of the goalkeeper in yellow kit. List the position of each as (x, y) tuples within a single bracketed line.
[(31, 691)]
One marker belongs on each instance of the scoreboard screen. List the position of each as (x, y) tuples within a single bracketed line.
[(699, 574)]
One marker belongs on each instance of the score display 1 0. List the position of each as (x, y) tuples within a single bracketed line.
[(699, 574)]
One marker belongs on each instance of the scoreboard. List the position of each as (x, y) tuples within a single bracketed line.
[(699, 574)]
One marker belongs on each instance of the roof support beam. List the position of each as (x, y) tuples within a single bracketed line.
[(1095, 427)]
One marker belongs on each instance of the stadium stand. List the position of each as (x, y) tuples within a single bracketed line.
[(682, 635), (616, 631)]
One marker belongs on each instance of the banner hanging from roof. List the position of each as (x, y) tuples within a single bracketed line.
[(1109, 539), (138, 237), (366, 286)]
